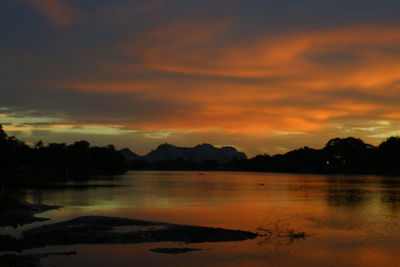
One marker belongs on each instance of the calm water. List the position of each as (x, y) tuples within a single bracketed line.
[(351, 220)]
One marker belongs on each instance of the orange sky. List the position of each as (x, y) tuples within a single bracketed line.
[(141, 73)]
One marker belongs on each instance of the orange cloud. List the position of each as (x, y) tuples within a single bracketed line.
[(300, 65), (308, 82), (61, 14), (208, 77), (194, 49)]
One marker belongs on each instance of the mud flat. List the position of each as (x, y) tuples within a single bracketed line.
[(15, 212), (111, 230), (96, 230)]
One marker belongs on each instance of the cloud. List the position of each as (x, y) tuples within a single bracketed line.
[(359, 56), (57, 11), (315, 80), (187, 75)]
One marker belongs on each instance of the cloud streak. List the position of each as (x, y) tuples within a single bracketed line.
[(177, 73), (57, 11)]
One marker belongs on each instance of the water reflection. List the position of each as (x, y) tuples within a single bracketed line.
[(348, 197), (358, 191), (352, 220)]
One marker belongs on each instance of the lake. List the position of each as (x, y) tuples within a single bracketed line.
[(349, 220)]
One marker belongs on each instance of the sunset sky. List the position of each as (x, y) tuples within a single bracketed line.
[(263, 76)]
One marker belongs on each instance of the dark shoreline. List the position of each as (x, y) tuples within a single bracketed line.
[(383, 174), (15, 212), (101, 230), (95, 230)]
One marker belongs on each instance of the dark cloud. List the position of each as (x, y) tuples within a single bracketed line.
[(89, 106), (335, 58), (262, 75)]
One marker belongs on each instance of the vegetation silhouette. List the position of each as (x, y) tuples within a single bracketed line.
[(59, 161), (19, 163), (340, 155)]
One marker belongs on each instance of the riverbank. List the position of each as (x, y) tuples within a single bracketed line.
[(95, 230), (111, 230), (15, 212)]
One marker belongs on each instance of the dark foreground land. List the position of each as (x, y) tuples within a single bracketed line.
[(105, 230), (99, 230), (14, 212)]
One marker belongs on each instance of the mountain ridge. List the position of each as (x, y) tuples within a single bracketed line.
[(199, 153)]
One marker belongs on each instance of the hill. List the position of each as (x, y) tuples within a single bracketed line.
[(198, 154)]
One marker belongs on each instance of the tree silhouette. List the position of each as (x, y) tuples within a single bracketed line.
[(347, 154), (3, 134), (58, 161), (21, 163), (39, 144), (389, 155)]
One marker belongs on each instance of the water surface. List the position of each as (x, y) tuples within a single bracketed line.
[(351, 220)]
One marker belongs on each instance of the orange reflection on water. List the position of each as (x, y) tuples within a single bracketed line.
[(349, 221)]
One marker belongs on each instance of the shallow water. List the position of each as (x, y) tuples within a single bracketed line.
[(350, 220)]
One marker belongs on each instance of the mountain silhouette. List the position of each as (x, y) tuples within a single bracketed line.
[(199, 153), (129, 155)]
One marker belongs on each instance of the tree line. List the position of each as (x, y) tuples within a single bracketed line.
[(56, 161), (61, 161), (340, 155)]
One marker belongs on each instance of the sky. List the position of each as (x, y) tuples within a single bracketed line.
[(264, 76)]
